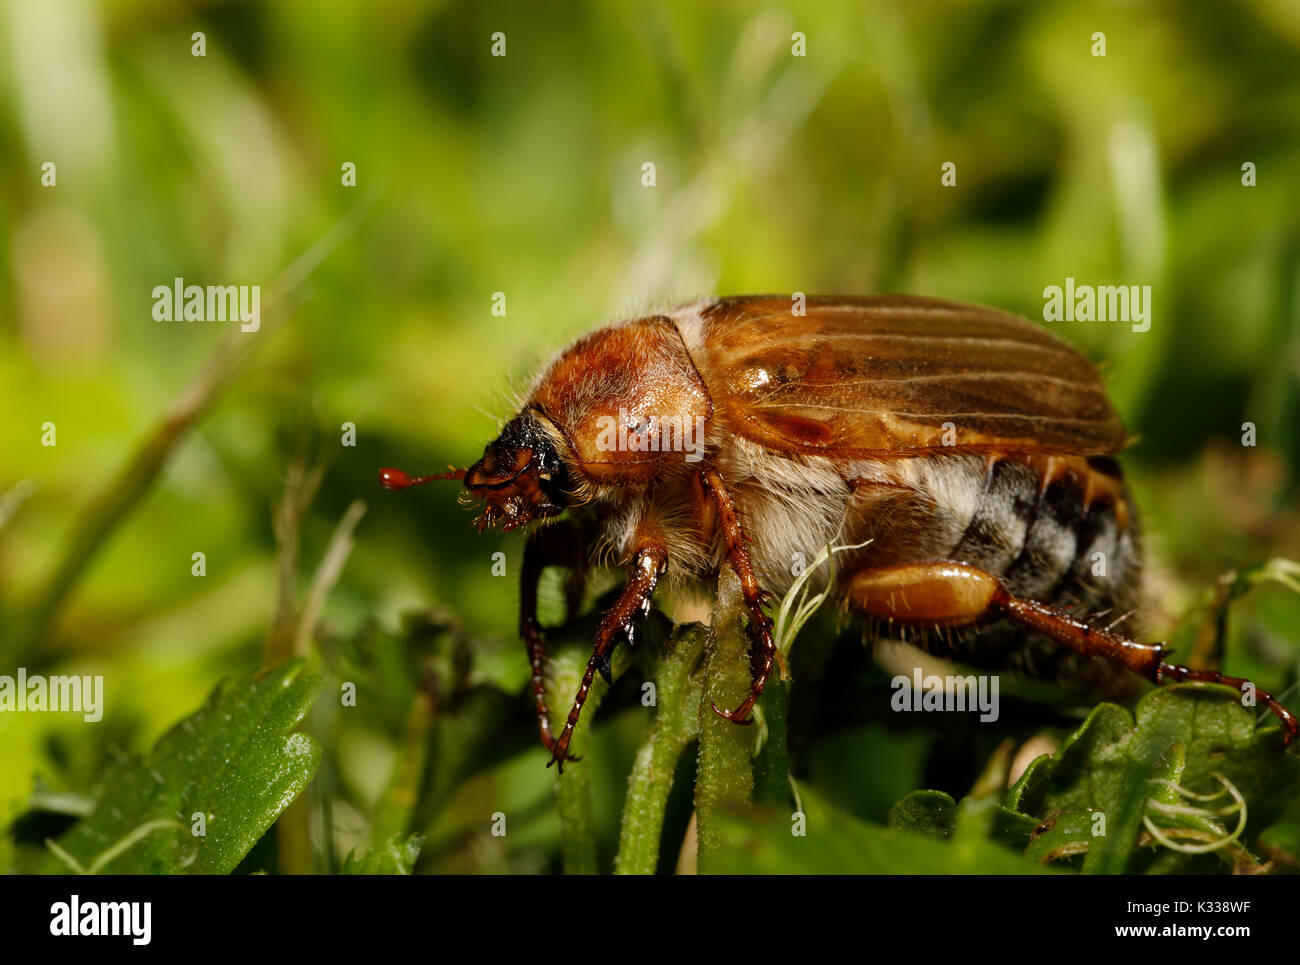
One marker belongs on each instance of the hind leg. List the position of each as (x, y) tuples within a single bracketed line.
[(942, 593)]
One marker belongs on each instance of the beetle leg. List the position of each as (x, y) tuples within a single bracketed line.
[(948, 594), (555, 545), (649, 560), (760, 624)]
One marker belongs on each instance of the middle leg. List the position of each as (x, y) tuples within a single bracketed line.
[(760, 624)]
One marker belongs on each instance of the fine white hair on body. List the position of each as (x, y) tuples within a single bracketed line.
[(790, 508)]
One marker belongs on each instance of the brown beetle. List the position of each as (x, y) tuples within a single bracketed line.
[(971, 451)]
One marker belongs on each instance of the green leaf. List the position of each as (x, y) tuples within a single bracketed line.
[(397, 856), (674, 665), (764, 842), (1280, 842), (1104, 776), (570, 650), (724, 777), (1127, 798), (932, 813), (236, 761)]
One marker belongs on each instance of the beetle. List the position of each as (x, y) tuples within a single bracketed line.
[(969, 451)]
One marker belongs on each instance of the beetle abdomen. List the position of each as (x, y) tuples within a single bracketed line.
[(1048, 541), (1058, 530)]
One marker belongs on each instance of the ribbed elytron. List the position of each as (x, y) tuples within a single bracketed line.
[(973, 454)]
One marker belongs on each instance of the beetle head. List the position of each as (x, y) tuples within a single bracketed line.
[(520, 477)]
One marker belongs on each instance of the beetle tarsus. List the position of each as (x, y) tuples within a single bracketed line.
[(959, 595), (763, 653), (647, 563), (738, 716), (762, 657), (1173, 673), (551, 546), (558, 758)]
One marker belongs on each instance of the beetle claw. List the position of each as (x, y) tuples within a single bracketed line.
[(559, 757), (735, 716), (603, 665)]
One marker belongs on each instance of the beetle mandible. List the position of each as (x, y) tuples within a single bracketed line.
[(970, 451)]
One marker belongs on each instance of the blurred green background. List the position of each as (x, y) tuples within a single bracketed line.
[(523, 174)]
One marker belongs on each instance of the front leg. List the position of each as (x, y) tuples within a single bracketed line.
[(760, 624), (649, 560)]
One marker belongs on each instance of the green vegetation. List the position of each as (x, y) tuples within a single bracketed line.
[(337, 685)]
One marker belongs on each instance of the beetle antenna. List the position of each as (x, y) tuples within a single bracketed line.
[(396, 479)]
